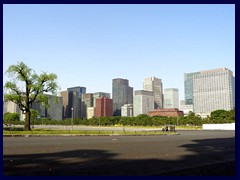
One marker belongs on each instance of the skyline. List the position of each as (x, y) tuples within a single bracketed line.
[(77, 42)]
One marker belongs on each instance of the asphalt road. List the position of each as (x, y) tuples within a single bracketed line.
[(190, 153)]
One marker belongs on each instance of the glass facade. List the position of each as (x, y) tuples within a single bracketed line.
[(122, 94), (75, 101), (213, 90), (188, 87)]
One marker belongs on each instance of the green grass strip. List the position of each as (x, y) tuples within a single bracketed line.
[(84, 132)]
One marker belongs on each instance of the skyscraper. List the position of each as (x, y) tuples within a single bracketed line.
[(68, 103), (155, 85), (143, 102), (55, 110), (213, 90), (87, 101), (122, 94), (72, 99), (79, 89), (171, 98), (188, 88), (77, 100)]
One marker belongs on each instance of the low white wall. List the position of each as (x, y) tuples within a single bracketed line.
[(219, 126)]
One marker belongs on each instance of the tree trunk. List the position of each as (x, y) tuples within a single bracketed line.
[(27, 126)]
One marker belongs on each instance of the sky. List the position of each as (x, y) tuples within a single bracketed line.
[(89, 45)]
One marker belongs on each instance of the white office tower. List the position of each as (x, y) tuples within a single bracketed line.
[(9, 106), (213, 90), (155, 85), (127, 110), (143, 102), (171, 98)]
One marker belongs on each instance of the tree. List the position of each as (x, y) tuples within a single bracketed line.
[(34, 115), (9, 118), (193, 119), (32, 90), (223, 116), (232, 115)]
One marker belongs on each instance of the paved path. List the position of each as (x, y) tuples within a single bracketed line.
[(101, 128), (122, 155)]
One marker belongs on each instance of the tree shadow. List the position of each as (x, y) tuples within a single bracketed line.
[(211, 157)]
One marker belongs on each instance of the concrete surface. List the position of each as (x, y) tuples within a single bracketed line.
[(188, 154)]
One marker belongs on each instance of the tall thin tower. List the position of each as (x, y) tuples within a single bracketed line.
[(122, 94), (155, 85)]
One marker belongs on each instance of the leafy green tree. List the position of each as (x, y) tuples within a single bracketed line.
[(34, 87), (232, 115), (11, 118), (155, 120), (181, 120), (34, 115), (193, 119), (219, 115), (222, 116)]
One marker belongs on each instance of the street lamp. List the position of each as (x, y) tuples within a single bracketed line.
[(72, 118)]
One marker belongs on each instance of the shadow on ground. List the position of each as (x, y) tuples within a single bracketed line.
[(211, 157)]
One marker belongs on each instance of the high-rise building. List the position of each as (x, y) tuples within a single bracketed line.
[(66, 106), (127, 110), (87, 101), (188, 88), (71, 104), (104, 107), (171, 98), (74, 102), (55, 109), (213, 90), (79, 89), (155, 85), (143, 102), (98, 95), (122, 94)]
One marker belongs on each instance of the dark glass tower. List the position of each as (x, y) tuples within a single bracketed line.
[(188, 87), (76, 100), (122, 94)]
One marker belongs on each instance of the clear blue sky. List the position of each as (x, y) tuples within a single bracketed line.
[(89, 45)]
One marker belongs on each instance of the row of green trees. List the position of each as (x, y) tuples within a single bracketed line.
[(217, 117)]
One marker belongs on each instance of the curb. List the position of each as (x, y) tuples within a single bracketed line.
[(71, 135)]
